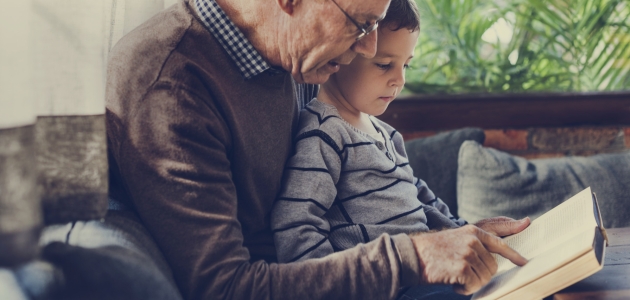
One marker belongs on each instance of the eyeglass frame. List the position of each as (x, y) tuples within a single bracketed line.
[(365, 30)]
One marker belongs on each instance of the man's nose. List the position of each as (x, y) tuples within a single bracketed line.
[(367, 45)]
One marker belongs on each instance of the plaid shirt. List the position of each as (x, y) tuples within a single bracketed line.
[(248, 60)]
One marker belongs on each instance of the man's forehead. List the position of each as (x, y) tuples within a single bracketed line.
[(370, 10)]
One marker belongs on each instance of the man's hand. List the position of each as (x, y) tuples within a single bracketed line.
[(503, 226), (461, 257)]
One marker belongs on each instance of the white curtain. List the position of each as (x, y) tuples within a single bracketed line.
[(54, 53), (70, 42), (69, 47), (138, 11), (16, 99)]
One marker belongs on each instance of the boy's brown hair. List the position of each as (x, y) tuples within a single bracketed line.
[(401, 14)]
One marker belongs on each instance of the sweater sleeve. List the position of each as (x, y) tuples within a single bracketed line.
[(297, 219), (426, 196), (438, 213), (178, 174)]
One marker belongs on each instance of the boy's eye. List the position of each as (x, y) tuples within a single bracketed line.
[(383, 66), (406, 66)]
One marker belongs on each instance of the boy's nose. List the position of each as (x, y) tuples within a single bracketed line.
[(398, 78)]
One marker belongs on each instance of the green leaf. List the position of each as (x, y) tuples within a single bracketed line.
[(562, 45)]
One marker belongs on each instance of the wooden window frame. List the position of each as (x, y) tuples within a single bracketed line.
[(444, 112)]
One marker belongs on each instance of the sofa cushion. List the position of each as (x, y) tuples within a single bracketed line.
[(9, 286), (115, 258), (20, 205), (434, 160), (109, 272), (72, 167), (492, 183)]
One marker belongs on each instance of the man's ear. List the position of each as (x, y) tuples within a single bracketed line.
[(288, 5)]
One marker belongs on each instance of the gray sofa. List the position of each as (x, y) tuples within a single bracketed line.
[(478, 182), (116, 258), (491, 182)]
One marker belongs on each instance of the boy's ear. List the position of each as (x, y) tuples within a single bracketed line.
[(288, 5)]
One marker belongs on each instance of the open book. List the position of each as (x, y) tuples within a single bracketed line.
[(563, 246)]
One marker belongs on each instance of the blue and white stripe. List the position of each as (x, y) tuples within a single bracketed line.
[(343, 187)]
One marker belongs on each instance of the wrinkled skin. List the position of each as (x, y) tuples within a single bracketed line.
[(320, 34), (461, 256)]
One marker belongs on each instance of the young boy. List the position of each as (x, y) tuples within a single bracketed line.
[(349, 180)]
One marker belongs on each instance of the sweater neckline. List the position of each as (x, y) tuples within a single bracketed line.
[(335, 112)]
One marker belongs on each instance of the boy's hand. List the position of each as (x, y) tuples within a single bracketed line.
[(461, 257)]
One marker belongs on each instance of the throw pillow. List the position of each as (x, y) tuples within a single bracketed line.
[(493, 183), (434, 160)]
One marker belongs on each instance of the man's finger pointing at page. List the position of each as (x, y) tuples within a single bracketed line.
[(487, 260), (497, 245)]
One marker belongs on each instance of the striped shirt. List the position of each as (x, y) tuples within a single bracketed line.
[(343, 187)]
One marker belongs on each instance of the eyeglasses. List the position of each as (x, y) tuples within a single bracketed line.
[(364, 29)]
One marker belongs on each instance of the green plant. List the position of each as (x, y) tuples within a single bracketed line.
[(522, 45)]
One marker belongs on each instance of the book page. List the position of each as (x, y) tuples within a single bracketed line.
[(552, 228), (545, 263)]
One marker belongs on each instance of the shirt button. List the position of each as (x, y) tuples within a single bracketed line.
[(379, 145)]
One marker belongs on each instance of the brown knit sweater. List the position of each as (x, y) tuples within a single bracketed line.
[(199, 152)]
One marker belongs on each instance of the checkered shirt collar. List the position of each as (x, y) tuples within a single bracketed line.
[(248, 60)]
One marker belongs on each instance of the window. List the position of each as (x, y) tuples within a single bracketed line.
[(477, 46)]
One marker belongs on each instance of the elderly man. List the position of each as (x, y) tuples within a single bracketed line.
[(202, 103)]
